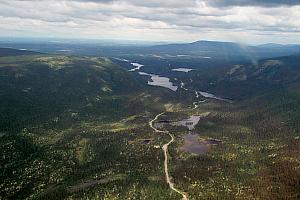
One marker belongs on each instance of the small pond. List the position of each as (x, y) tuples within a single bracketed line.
[(192, 145)]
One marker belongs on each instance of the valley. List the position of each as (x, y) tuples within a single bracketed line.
[(149, 100), (124, 129)]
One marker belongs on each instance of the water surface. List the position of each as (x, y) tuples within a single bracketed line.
[(190, 123), (212, 96), (160, 81), (137, 67), (192, 145), (182, 70)]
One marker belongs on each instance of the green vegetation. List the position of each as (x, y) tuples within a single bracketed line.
[(72, 127), (259, 154), (257, 158), (77, 128), (58, 90)]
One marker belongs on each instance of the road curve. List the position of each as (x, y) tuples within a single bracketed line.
[(165, 149)]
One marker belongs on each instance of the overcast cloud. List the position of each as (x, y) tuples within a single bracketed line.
[(247, 21)]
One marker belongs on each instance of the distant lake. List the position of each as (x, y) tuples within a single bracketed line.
[(190, 123), (182, 70), (156, 80), (137, 67), (212, 96), (160, 81), (64, 50)]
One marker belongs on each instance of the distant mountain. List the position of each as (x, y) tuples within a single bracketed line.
[(229, 50), (280, 46), (205, 48), (276, 50), (226, 52), (202, 44), (215, 51), (16, 52), (271, 45)]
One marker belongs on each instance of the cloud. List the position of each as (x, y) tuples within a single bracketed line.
[(152, 20), (259, 3)]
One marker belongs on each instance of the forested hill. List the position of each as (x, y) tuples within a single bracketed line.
[(242, 82), (276, 70), (36, 88), (65, 118)]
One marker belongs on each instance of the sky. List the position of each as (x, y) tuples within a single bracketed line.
[(243, 21)]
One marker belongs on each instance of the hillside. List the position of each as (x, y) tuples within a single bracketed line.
[(245, 81), (271, 87), (278, 70), (65, 126), (37, 88)]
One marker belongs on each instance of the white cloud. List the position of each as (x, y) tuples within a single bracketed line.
[(150, 20)]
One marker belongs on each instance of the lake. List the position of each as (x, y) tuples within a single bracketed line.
[(182, 70), (137, 67), (190, 123), (192, 145), (212, 96), (160, 81)]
